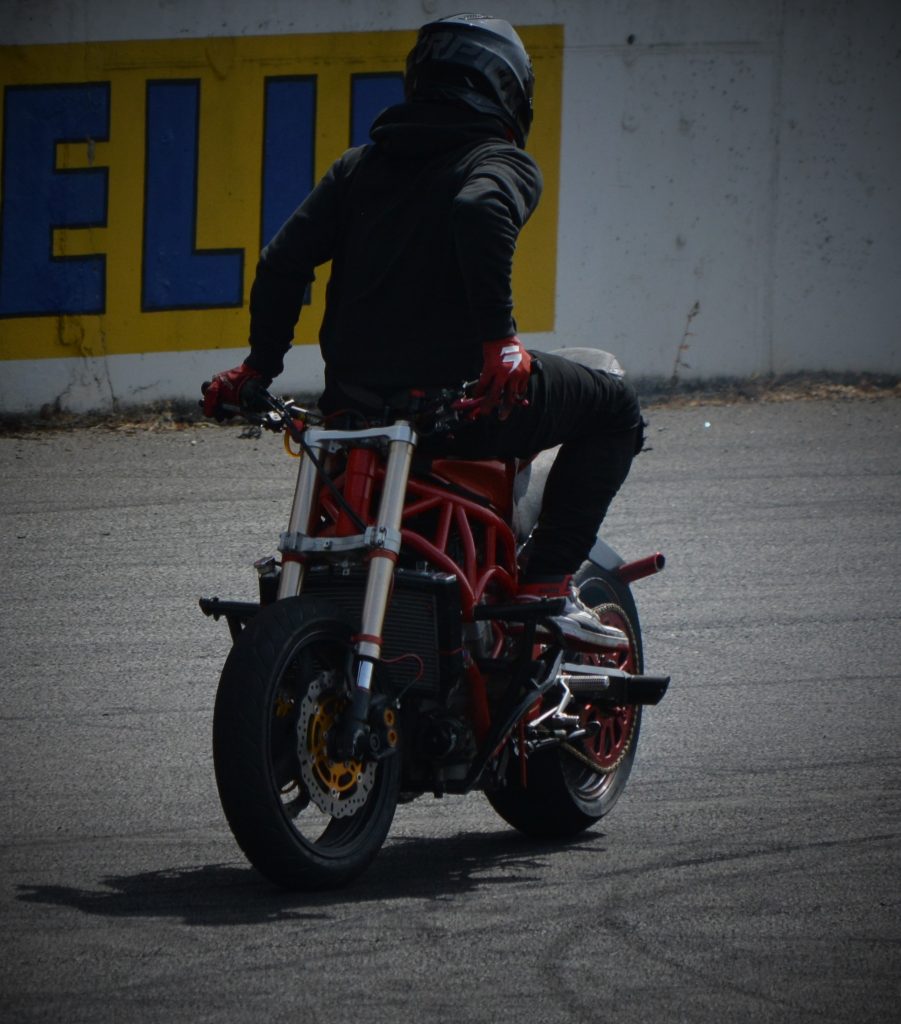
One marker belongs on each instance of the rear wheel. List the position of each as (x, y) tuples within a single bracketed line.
[(570, 787), (303, 819)]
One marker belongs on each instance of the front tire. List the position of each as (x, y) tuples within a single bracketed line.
[(302, 819)]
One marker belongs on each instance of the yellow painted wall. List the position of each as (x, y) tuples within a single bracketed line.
[(231, 74)]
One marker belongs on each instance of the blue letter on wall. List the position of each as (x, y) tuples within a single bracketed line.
[(288, 154), (176, 275), (37, 198), (370, 94)]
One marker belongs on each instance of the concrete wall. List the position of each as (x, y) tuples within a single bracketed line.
[(727, 202)]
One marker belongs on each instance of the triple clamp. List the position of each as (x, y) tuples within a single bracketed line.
[(372, 537)]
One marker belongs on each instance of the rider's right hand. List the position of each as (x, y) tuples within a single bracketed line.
[(225, 389), (504, 381)]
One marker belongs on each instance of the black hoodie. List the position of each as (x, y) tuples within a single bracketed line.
[(421, 227)]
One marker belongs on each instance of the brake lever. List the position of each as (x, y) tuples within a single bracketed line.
[(467, 405)]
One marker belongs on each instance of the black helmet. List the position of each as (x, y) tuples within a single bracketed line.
[(476, 60)]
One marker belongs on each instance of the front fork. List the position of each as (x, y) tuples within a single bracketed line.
[(382, 540)]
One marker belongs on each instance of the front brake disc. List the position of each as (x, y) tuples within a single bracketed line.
[(337, 788)]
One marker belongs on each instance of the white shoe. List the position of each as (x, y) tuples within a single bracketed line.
[(574, 609)]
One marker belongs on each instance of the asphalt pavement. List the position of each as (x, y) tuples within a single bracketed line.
[(749, 873)]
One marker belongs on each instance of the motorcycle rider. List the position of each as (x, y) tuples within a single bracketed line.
[(421, 227)]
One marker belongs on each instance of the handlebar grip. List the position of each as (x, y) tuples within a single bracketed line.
[(254, 396)]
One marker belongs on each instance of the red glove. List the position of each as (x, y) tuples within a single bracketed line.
[(225, 389), (505, 376)]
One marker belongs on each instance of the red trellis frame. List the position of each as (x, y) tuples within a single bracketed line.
[(490, 564)]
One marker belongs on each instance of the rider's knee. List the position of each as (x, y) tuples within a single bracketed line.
[(619, 414), (624, 407)]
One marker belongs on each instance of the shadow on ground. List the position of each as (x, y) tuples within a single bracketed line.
[(220, 894)]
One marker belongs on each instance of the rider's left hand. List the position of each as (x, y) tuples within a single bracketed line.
[(225, 389), (505, 375)]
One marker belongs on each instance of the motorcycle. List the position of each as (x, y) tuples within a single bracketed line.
[(387, 657)]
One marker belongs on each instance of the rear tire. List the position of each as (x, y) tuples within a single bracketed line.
[(303, 820), (570, 789)]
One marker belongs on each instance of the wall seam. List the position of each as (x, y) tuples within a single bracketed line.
[(772, 227)]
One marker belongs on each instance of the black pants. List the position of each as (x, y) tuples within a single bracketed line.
[(595, 417)]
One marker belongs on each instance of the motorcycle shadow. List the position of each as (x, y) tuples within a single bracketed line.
[(226, 894)]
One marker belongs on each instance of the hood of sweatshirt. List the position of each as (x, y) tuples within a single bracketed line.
[(423, 129)]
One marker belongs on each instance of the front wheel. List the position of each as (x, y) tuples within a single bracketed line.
[(569, 788), (303, 819)]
